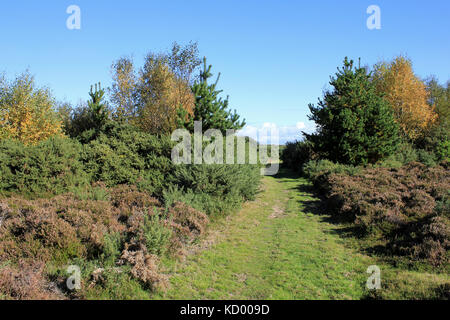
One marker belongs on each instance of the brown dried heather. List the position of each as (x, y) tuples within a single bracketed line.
[(187, 224), (398, 205), (186, 216), (144, 267), (43, 232), (127, 198), (26, 282)]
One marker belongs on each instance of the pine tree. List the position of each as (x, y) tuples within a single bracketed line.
[(98, 112), (88, 120), (210, 109), (355, 124)]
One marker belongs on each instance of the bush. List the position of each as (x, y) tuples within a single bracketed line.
[(407, 153), (156, 235), (436, 142), (121, 154), (124, 236), (319, 171), (51, 167), (313, 169), (426, 158), (296, 154), (214, 189), (25, 282), (406, 208)]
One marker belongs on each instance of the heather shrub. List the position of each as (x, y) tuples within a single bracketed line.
[(405, 208), (319, 171), (313, 169), (115, 241), (187, 217), (128, 199), (26, 282), (144, 268)]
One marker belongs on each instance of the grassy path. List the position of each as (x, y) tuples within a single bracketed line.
[(274, 248)]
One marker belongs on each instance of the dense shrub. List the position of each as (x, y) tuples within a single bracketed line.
[(215, 189), (51, 167), (116, 154), (407, 208), (124, 155), (319, 171), (26, 282), (295, 154), (128, 233), (121, 154), (437, 141), (313, 169), (407, 153)]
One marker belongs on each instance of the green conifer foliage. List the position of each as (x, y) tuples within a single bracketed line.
[(210, 109), (97, 109), (355, 124)]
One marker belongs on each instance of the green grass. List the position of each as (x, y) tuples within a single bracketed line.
[(274, 248), (281, 246)]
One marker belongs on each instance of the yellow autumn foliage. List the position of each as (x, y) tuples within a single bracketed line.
[(407, 95), (161, 94), (151, 99), (157, 94), (123, 88), (26, 112)]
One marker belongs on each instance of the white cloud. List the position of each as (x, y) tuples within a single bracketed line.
[(270, 132), (300, 125)]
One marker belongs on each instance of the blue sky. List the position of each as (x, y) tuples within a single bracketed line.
[(275, 56)]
